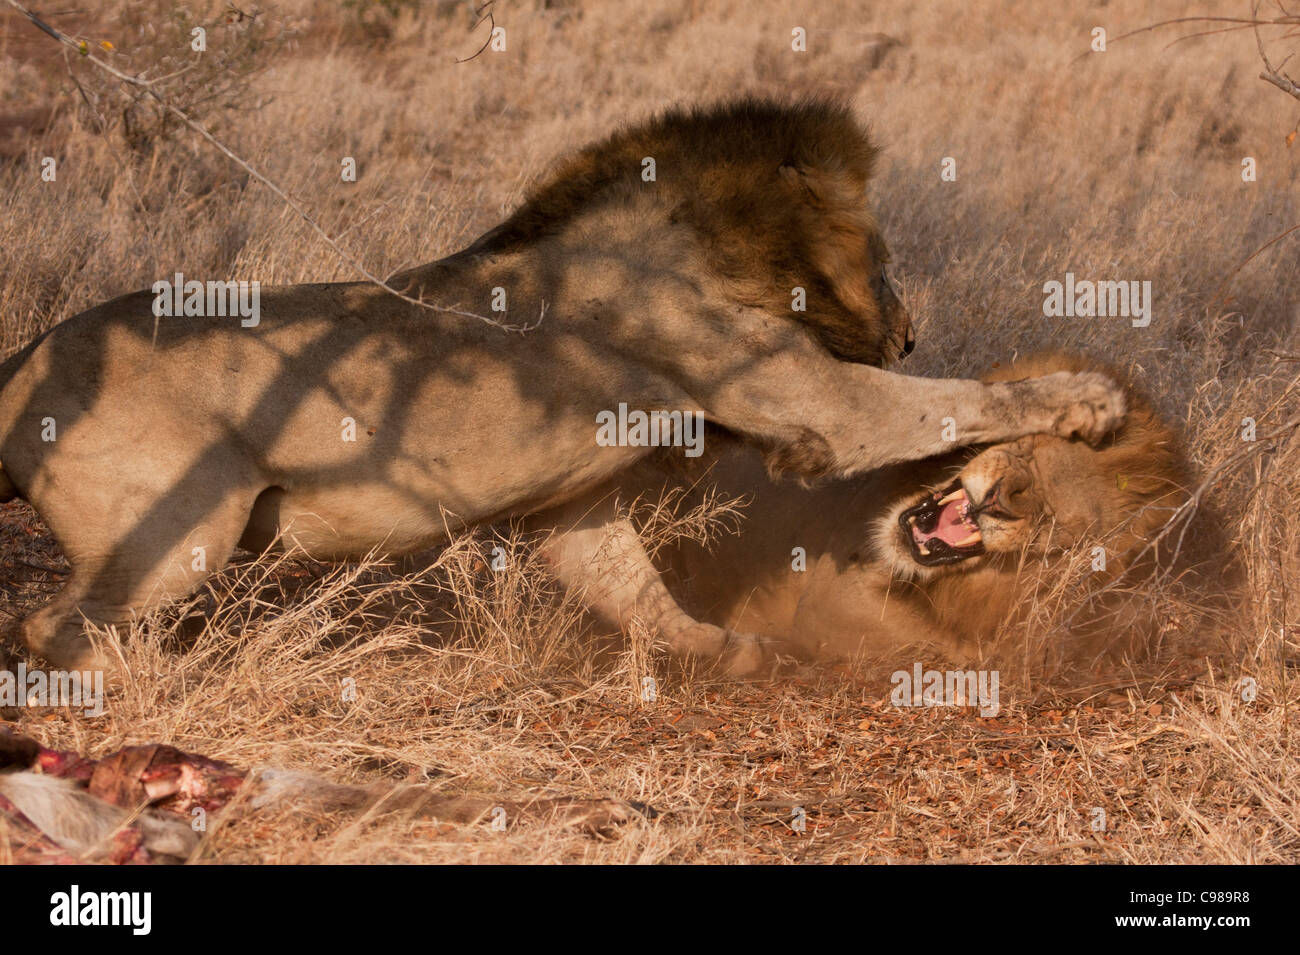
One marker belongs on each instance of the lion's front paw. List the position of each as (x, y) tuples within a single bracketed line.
[(1094, 406)]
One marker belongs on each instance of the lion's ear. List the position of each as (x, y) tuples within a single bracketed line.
[(800, 184)]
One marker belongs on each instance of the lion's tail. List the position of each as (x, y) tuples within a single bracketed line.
[(7, 369)]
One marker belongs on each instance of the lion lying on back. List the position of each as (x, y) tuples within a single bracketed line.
[(937, 551)]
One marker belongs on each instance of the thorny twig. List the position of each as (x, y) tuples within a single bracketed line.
[(1271, 75), (483, 13)]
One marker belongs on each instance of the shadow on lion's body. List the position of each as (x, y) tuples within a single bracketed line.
[(348, 420)]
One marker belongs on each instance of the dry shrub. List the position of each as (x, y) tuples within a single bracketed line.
[(154, 41)]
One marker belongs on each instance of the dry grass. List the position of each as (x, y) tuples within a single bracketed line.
[(1123, 165)]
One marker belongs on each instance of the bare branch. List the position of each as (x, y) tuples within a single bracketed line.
[(1270, 74), (1282, 83)]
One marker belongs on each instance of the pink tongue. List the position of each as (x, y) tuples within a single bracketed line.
[(952, 526)]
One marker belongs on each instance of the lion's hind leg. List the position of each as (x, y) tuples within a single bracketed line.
[(599, 555), (128, 563)]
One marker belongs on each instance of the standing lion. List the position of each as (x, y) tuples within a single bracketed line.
[(346, 419)]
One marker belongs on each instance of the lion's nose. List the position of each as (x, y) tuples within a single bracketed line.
[(999, 498)]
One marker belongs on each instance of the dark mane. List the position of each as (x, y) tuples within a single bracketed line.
[(774, 191), (690, 146)]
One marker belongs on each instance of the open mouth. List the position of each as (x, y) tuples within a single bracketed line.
[(941, 530)]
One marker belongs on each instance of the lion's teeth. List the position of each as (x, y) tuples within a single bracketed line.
[(923, 549), (956, 495), (974, 538)]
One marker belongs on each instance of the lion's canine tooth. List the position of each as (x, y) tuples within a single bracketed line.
[(956, 495), (923, 549), (974, 538)]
